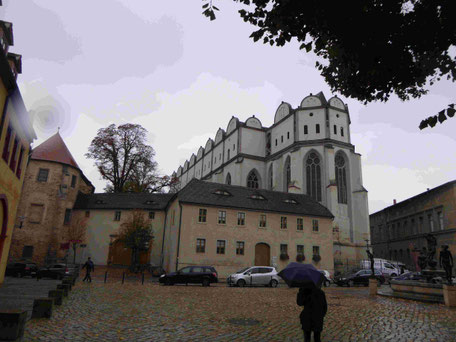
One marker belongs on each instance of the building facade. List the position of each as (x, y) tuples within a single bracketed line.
[(398, 231), (16, 135), (307, 150), (52, 182)]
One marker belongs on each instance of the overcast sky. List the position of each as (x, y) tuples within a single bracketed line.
[(162, 64)]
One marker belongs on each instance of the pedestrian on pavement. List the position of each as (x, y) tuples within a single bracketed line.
[(89, 266), (315, 307)]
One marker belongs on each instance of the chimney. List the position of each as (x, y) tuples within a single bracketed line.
[(394, 201)]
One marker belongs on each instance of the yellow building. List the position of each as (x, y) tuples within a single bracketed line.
[(16, 135)]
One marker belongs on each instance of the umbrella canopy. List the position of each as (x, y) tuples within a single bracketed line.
[(298, 275)]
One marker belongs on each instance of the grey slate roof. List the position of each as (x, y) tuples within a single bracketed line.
[(122, 201), (201, 192)]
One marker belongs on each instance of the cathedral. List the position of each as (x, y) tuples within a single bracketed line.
[(307, 151)]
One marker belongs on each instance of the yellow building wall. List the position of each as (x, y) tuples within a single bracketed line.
[(10, 185)]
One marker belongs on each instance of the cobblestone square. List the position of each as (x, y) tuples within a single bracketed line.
[(150, 312)]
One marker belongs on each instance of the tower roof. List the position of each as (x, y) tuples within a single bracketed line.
[(54, 149)]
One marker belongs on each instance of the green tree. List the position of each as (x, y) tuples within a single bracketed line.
[(368, 49)]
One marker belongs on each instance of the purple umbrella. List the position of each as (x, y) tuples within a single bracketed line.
[(297, 275)]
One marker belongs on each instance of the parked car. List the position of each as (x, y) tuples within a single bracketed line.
[(382, 265), (55, 271), (360, 277), (327, 279), (21, 269), (204, 275), (409, 276), (254, 276)]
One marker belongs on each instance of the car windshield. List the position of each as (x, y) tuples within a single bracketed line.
[(243, 270)]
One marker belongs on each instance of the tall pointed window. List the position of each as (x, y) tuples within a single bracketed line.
[(341, 179), (252, 180), (287, 176), (228, 179), (270, 178), (313, 176)]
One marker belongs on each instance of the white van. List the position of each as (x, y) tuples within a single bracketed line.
[(384, 266)]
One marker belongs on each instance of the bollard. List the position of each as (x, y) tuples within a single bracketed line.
[(13, 324), (106, 275), (123, 277), (63, 287), (42, 307), (142, 278), (67, 282), (57, 295)]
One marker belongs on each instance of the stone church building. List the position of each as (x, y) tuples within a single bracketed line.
[(307, 150)]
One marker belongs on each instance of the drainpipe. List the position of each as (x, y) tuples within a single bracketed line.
[(163, 240), (178, 237)]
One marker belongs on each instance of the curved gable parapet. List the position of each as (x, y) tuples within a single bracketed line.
[(219, 136), (337, 103), (209, 145), (179, 171), (185, 166), (232, 125), (311, 101), (282, 111), (200, 153), (192, 160), (253, 122)]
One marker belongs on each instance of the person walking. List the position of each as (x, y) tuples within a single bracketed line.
[(89, 266), (315, 307)]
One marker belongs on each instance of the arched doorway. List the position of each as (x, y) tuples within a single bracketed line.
[(3, 222), (262, 254)]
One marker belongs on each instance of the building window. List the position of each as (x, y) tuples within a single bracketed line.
[(228, 179), (241, 219), (240, 248), (36, 213), (67, 218), (42, 175), (341, 131), (315, 225), (65, 170), (228, 154), (300, 249), (117, 215), (317, 128), (283, 222), (202, 215), (73, 181), (281, 139), (252, 180), (87, 213), (200, 245), (13, 155), (6, 147), (335, 130), (276, 142), (222, 217), (27, 252), (431, 222), (341, 179), (299, 223), (234, 147), (151, 215), (306, 129), (316, 250), (440, 216), (19, 163), (288, 135), (270, 177), (284, 249), (221, 246), (313, 176), (287, 174), (262, 223)]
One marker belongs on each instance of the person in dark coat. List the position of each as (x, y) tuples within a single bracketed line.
[(89, 266), (315, 307)]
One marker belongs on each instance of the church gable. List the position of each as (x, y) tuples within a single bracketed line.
[(282, 111)]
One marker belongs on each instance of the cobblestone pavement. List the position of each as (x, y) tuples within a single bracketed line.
[(149, 312)]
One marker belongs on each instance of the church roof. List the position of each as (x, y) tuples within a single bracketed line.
[(125, 200), (222, 195), (55, 150)]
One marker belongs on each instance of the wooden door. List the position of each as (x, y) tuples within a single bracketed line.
[(119, 254), (262, 254)]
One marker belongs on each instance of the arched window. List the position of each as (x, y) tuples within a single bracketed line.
[(313, 176), (252, 180), (287, 175), (228, 179), (341, 179), (270, 178)]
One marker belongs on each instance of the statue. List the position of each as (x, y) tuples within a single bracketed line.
[(371, 258), (446, 260), (422, 259), (432, 247)]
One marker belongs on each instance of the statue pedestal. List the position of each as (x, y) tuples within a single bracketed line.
[(449, 295), (373, 287)]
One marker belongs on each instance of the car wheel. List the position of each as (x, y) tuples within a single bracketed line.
[(351, 283), (241, 283), (273, 283), (206, 282)]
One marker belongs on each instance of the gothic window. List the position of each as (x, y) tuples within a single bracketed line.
[(270, 178), (313, 176), (317, 128), (228, 179), (341, 179), (305, 129), (252, 180), (287, 179)]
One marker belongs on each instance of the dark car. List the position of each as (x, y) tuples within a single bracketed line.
[(204, 275), (21, 269), (55, 271), (409, 276), (359, 278)]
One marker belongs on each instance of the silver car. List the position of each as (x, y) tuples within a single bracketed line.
[(254, 276)]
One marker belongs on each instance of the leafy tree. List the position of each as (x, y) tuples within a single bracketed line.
[(76, 232), (125, 161), (137, 234), (368, 49)]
